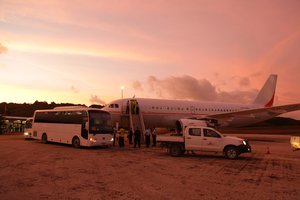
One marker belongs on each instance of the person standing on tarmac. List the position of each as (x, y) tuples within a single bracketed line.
[(154, 137), (130, 136), (115, 136), (137, 138), (147, 134), (121, 137)]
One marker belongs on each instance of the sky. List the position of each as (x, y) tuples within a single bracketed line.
[(83, 52)]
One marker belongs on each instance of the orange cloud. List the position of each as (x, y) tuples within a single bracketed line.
[(74, 89), (96, 99), (3, 49), (64, 48), (188, 87), (137, 85)]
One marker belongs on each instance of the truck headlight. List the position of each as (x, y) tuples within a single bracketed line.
[(93, 140), (244, 142), (26, 133), (112, 139)]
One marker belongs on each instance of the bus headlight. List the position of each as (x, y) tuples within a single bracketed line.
[(93, 140)]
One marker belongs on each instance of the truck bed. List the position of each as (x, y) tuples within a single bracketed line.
[(170, 138)]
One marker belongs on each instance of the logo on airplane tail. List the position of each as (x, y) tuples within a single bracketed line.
[(270, 103)]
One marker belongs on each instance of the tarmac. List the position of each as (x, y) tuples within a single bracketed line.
[(30, 169)]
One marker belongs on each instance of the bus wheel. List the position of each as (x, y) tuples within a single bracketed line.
[(44, 138), (76, 142)]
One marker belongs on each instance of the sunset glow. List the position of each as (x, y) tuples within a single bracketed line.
[(82, 52)]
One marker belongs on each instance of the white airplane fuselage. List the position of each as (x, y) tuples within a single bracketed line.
[(164, 113)]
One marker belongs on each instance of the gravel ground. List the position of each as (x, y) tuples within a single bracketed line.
[(32, 170)]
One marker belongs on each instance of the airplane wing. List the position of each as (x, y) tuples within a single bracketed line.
[(251, 116)]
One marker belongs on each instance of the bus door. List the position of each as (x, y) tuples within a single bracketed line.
[(85, 127)]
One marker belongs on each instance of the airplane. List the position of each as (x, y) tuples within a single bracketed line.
[(164, 113)]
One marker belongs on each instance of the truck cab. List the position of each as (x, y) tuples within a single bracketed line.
[(195, 136)]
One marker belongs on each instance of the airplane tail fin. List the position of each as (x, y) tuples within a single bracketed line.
[(266, 95)]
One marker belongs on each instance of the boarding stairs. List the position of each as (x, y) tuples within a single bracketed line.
[(136, 118)]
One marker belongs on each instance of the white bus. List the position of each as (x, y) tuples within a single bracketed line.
[(76, 125)]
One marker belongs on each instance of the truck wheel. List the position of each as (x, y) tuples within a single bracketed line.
[(44, 138), (231, 153), (76, 142), (175, 150)]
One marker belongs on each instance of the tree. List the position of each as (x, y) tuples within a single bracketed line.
[(1, 123)]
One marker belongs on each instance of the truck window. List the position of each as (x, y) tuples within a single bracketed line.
[(210, 133), (195, 131)]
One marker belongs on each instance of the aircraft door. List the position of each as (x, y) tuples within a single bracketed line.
[(134, 105), (193, 139)]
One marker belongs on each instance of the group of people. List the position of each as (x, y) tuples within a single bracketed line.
[(136, 136), (134, 105)]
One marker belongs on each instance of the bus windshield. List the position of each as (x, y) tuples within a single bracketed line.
[(28, 124), (100, 122)]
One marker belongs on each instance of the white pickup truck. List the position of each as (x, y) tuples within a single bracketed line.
[(196, 136)]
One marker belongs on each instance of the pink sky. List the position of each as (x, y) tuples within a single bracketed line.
[(84, 51)]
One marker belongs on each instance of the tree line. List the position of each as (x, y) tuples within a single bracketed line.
[(27, 109)]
